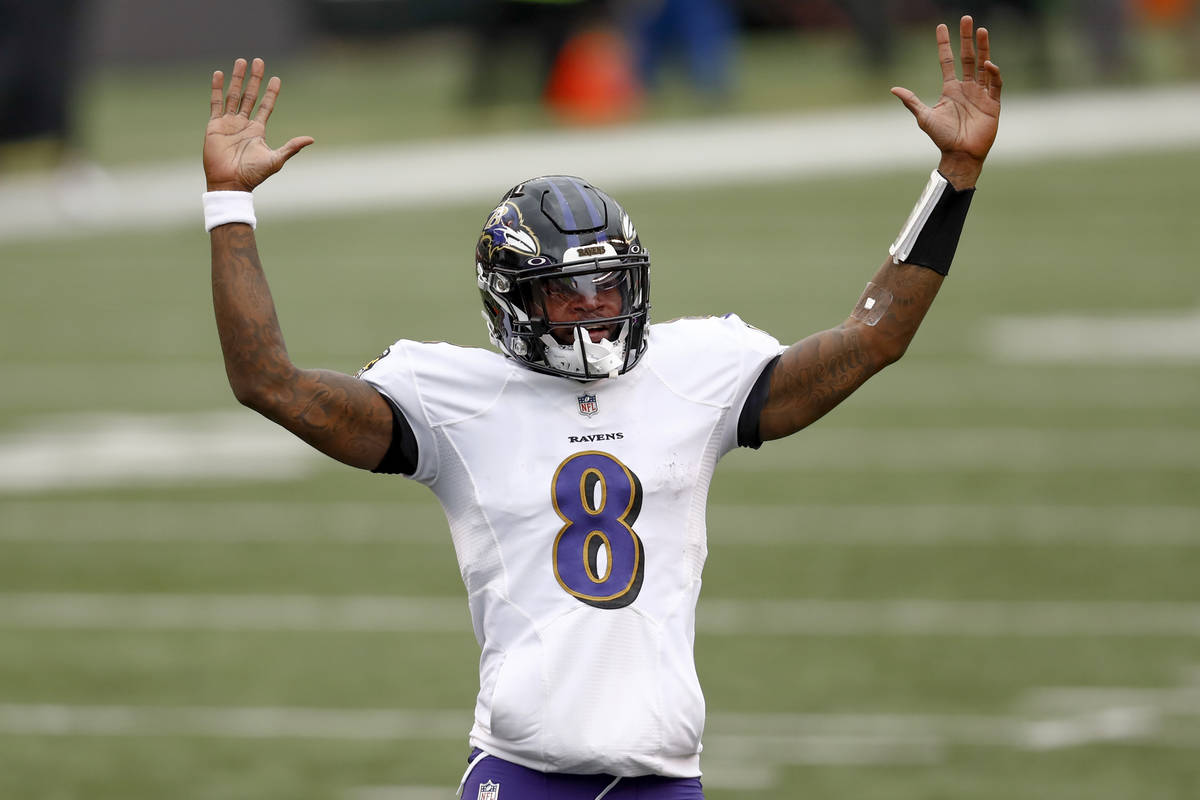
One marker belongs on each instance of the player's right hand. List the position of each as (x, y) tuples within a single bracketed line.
[(236, 155)]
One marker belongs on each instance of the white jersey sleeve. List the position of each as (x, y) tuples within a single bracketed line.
[(433, 383), (716, 360)]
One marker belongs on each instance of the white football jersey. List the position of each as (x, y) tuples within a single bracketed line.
[(577, 512)]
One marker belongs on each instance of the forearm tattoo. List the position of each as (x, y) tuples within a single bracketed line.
[(814, 375), (336, 413), (822, 370), (246, 321)]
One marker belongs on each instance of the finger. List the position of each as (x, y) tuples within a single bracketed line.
[(967, 48), (983, 43), (292, 147), (995, 82), (268, 102), (256, 74), (945, 54), (218, 95), (910, 100), (235, 87)]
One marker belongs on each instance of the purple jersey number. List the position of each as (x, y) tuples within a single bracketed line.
[(598, 558)]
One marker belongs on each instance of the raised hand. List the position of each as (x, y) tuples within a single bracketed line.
[(963, 123), (236, 155)]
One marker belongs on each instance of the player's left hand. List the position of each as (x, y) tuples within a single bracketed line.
[(963, 123)]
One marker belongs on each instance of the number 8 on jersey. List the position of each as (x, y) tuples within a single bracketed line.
[(598, 558)]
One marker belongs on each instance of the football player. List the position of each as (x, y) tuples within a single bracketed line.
[(573, 464)]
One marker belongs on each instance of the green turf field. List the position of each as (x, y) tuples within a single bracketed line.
[(977, 579)]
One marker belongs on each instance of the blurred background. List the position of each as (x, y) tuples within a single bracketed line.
[(975, 579)]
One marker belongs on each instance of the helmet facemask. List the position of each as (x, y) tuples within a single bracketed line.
[(582, 320), (564, 280), (589, 314)]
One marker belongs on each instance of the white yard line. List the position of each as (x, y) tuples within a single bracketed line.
[(235, 612), (223, 521), (685, 153), (301, 523), (250, 723), (1097, 339), (946, 618), (716, 617), (743, 750), (400, 793), (1007, 449), (920, 384), (111, 450), (938, 525)]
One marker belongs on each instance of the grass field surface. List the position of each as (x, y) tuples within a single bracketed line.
[(975, 580)]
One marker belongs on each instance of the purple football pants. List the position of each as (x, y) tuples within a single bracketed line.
[(496, 779)]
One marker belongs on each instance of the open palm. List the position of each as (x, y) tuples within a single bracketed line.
[(965, 119), (236, 154)]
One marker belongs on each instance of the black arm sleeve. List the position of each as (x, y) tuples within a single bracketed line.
[(401, 457), (747, 430)]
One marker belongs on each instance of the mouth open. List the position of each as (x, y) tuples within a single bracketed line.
[(599, 332), (596, 333)]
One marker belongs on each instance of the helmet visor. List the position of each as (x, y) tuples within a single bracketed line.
[(598, 301)]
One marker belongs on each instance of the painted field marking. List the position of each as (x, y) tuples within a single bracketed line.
[(744, 750), (942, 618), (716, 617), (110, 450), (941, 524), (240, 723), (234, 612), (1164, 337), (221, 521), (1007, 449), (672, 154), (301, 522), (745, 738), (920, 384), (400, 793)]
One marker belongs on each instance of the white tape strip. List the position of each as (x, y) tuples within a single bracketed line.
[(934, 190)]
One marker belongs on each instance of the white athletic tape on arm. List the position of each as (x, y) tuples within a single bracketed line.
[(222, 208), (903, 245)]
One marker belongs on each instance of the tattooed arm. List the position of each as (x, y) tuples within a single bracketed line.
[(341, 416), (822, 370), (818, 372)]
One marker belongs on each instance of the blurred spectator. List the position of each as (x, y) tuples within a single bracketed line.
[(505, 32), (39, 59), (1183, 17), (702, 31), (1030, 17), (874, 21), (1106, 23)]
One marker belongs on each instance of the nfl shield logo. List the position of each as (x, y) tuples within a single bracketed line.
[(489, 791), (587, 404)]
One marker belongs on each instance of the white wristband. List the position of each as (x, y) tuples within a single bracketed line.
[(902, 247), (221, 208)]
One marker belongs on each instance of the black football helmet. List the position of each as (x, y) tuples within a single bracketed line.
[(565, 280)]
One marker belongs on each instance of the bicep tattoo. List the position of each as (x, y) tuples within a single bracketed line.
[(813, 376)]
